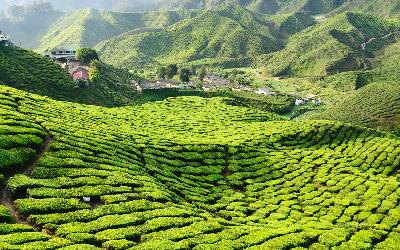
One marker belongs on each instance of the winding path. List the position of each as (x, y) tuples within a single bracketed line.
[(364, 45), (6, 195)]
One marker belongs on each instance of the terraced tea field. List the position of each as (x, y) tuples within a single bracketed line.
[(191, 173)]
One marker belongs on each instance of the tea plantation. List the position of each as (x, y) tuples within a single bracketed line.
[(191, 173)]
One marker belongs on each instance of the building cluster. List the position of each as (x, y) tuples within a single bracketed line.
[(66, 57), (310, 98)]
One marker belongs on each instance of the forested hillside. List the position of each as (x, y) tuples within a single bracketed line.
[(229, 32), (87, 27), (342, 43)]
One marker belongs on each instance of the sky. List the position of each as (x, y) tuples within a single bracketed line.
[(77, 4)]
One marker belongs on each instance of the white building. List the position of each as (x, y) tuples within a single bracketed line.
[(299, 102), (5, 40), (61, 54)]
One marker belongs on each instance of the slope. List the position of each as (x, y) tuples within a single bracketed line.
[(261, 6), (195, 173), (226, 33), (372, 94), (87, 27), (32, 72), (28, 29), (376, 7), (341, 43)]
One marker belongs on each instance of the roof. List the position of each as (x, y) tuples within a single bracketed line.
[(76, 69), (69, 48), (4, 38)]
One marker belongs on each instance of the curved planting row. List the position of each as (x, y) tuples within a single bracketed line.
[(194, 173)]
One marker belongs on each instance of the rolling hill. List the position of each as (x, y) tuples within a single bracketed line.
[(224, 33), (261, 6), (43, 30), (372, 94), (32, 72), (342, 43), (87, 27), (191, 173), (376, 7)]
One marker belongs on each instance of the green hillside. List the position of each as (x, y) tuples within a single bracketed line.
[(376, 7), (375, 102), (342, 43), (261, 6), (87, 27), (192, 173), (375, 105), (32, 72), (229, 32)]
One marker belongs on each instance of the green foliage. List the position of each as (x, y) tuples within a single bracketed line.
[(375, 105), (88, 27), (86, 55), (228, 34), (171, 70), (184, 75), (201, 73), (162, 72), (29, 71), (94, 74), (197, 173), (335, 45)]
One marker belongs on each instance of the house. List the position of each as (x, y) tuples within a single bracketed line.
[(62, 54), (299, 102), (79, 73), (263, 91), (5, 40)]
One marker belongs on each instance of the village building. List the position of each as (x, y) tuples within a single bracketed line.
[(62, 54), (79, 73), (264, 91), (5, 40), (299, 102)]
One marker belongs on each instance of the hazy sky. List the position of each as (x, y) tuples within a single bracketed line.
[(76, 4)]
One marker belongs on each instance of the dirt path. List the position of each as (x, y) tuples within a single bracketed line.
[(6, 195), (364, 45)]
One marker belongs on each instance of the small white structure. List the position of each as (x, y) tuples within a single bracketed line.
[(299, 102), (86, 199), (263, 91), (5, 40)]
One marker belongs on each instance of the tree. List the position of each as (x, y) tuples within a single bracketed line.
[(193, 70), (201, 74), (162, 72), (86, 55), (94, 73), (172, 70), (184, 75)]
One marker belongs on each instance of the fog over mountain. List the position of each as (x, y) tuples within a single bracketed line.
[(139, 5)]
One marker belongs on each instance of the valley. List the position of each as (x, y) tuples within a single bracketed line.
[(228, 124)]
